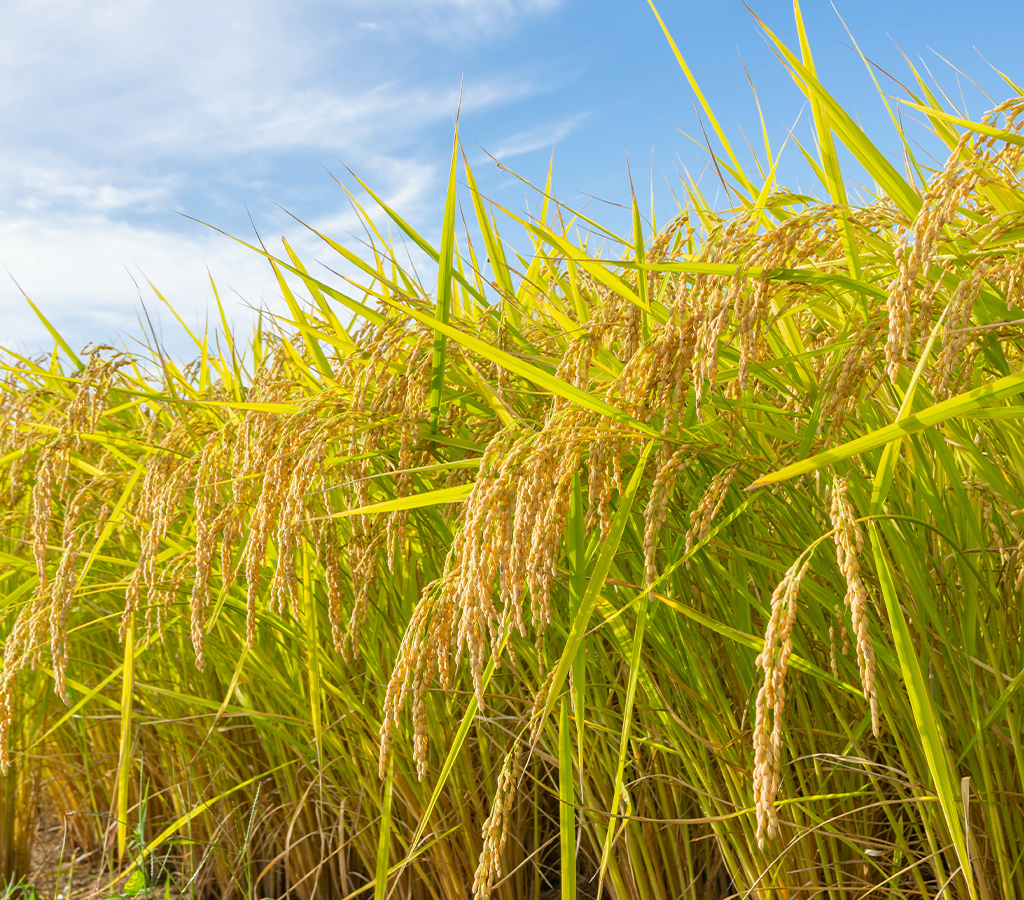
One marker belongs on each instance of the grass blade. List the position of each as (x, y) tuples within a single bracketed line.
[(566, 805), (415, 501), (934, 415), (596, 582), (926, 716), (125, 744), (531, 372), (627, 725), (444, 291), (747, 184), (380, 882), (849, 132), (54, 334), (576, 547), (827, 148)]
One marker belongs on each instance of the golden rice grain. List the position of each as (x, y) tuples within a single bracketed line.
[(770, 706), (495, 828), (849, 541)]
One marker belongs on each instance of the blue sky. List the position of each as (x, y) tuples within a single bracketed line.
[(119, 114)]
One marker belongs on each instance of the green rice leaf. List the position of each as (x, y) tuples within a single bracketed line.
[(1010, 137), (887, 467), (926, 716), (380, 881), (596, 581), (532, 373), (495, 252), (55, 334), (598, 271), (627, 725), (566, 805), (416, 237), (848, 131), (179, 823), (736, 167), (827, 148), (415, 501), (934, 415), (444, 292), (125, 740)]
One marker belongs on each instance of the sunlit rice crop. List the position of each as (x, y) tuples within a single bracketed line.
[(698, 562)]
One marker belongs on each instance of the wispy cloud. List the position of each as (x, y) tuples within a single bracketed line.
[(89, 275), (152, 84), (453, 21), (91, 271), (388, 115), (36, 188), (537, 138), (118, 111)]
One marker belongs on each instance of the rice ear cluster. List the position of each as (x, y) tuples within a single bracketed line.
[(495, 828), (842, 391), (770, 707), (1000, 520), (955, 334), (849, 541), (705, 512), (509, 535), (15, 658), (75, 533), (159, 503), (211, 462), (657, 507), (763, 350), (43, 620)]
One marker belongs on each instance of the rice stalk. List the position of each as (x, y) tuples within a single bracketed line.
[(671, 430)]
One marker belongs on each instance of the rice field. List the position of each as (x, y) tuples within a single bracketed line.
[(679, 564)]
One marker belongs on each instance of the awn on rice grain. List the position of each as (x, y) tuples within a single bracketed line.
[(763, 335)]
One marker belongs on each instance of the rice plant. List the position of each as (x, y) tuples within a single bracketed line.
[(679, 564)]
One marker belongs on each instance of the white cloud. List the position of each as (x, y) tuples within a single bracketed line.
[(536, 138), (80, 272), (454, 21), (139, 82), (143, 77), (88, 272), (60, 183), (388, 114), (117, 111)]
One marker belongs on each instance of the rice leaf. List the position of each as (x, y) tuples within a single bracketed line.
[(737, 168), (1001, 134), (181, 821), (380, 881), (124, 748), (856, 141), (827, 149), (414, 501), (576, 553), (597, 271), (627, 725), (596, 581), (55, 334), (444, 291), (531, 372), (941, 412), (925, 715), (566, 805)]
